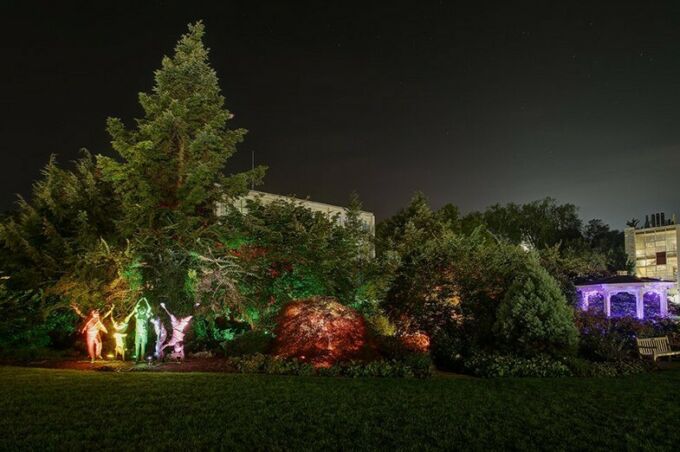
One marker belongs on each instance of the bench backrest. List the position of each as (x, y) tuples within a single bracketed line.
[(662, 344), (651, 345)]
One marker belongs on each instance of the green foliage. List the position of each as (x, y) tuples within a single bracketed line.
[(450, 277), (584, 368), (381, 325), (410, 228), (248, 343), (539, 224), (393, 350), (300, 282), (498, 365), (172, 161), (609, 244), (534, 316), (468, 283), (259, 363), (25, 324), (69, 212), (568, 264), (289, 252), (418, 367), (589, 249), (170, 175)]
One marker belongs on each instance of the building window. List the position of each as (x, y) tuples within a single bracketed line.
[(661, 258)]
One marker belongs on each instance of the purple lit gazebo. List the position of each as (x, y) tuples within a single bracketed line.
[(648, 293)]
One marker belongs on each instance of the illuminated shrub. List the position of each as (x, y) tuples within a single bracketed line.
[(319, 330), (417, 342)]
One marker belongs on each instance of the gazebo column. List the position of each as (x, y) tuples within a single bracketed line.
[(663, 302), (608, 304), (584, 300), (639, 303)]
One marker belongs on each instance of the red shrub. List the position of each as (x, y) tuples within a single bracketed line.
[(319, 330)]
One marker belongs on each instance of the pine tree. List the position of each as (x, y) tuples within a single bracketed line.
[(170, 174), (173, 162), (534, 315)]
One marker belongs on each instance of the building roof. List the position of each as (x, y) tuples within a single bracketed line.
[(619, 279)]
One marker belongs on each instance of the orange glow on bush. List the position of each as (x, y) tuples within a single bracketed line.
[(319, 330), (416, 342)]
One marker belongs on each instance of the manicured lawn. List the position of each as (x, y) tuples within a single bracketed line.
[(66, 409)]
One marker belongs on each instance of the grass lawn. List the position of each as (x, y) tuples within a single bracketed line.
[(67, 409)]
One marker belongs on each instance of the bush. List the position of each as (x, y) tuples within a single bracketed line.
[(584, 368), (248, 343), (448, 349), (399, 347), (27, 329), (534, 316), (381, 325), (497, 365), (267, 364), (415, 366), (613, 339), (319, 330), (420, 364), (417, 342)]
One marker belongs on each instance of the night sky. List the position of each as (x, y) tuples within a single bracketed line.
[(472, 103)]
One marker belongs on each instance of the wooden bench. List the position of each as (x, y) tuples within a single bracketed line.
[(655, 347)]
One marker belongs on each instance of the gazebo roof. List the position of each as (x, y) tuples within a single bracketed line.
[(620, 279)]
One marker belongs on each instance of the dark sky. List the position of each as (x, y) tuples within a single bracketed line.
[(472, 103)]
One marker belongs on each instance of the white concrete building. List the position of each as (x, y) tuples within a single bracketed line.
[(241, 204)]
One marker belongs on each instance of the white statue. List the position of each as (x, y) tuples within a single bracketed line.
[(161, 335), (178, 330)]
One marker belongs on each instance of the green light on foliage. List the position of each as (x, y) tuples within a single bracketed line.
[(235, 242), (190, 284), (132, 273)]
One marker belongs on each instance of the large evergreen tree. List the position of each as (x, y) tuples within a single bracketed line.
[(171, 170), (172, 163)]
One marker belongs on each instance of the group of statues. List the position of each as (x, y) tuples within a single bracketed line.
[(143, 314)]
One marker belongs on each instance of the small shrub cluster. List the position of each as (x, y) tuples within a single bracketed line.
[(585, 368), (267, 364), (498, 365), (415, 366)]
